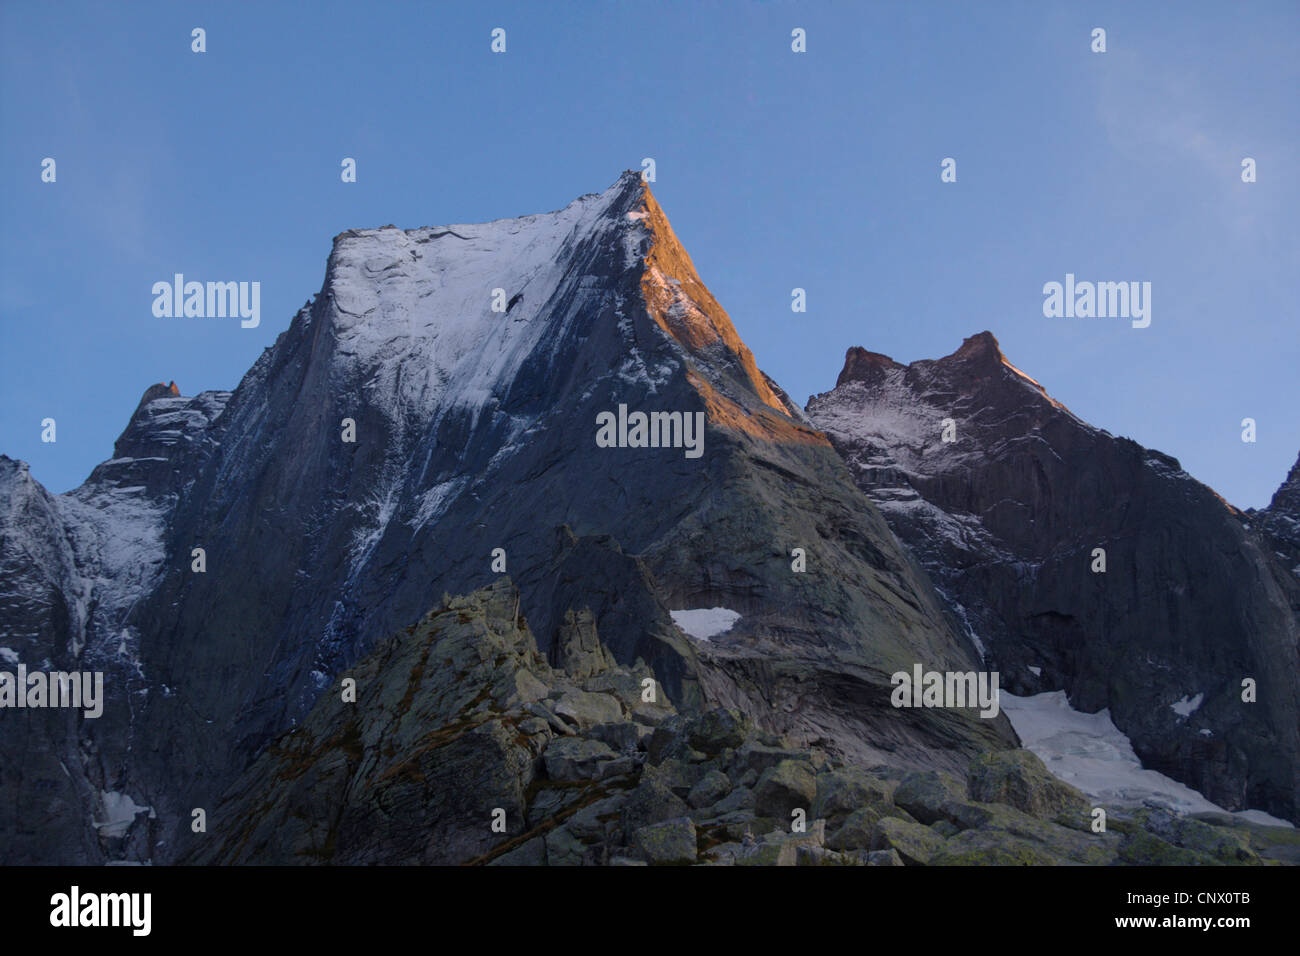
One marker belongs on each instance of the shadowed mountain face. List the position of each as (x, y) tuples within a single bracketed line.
[(1279, 523), (377, 456), (1007, 517), (464, 745)]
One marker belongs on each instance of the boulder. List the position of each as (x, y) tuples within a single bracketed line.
[(916, 844), (1062, 843), (622, 736), (575, 758), (1019, 778), (790, 785), (527, 687), (841, 792), (599, 821), (717, 730), (856, 831), (670, 842), (760, 757), (678, 775), (738, 798), (652, 802), (589, 710), (564, 849), (711, 788), (923, 793)]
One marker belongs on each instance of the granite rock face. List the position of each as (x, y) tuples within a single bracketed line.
[(75, 570), (1007, 518), (1279, 523), (402, 440)]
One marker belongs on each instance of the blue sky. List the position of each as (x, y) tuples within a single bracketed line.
[(817, 170)]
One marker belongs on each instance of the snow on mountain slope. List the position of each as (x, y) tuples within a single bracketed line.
[(74, 568), (1088, 751), (1012, 504), (705, 623), (414, 308)]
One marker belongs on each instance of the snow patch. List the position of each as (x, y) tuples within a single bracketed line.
[(119, 813), (436, 500), (1089, 752), (367, 536), (705, 623), (1184, 707)]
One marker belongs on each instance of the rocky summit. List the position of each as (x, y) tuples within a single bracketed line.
[(1086, 563), (507, 552)]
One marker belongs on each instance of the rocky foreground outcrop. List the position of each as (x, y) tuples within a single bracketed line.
[(465, 746)]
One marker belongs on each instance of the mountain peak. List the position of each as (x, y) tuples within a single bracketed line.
[(1287, 497), (458, 311), (863, 365), (681, 304), (980, 345), (158, 390), (982, 351)]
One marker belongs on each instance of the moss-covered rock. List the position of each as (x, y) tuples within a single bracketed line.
[(790, 785), (1225, 844), (841, 792), (1140, 848), (992, 848), (1019, 778), (1068, 844), (856, 831), (945, 828), (710, 788), (667, 843), (915, 843), (924, 792), (718, 730)]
